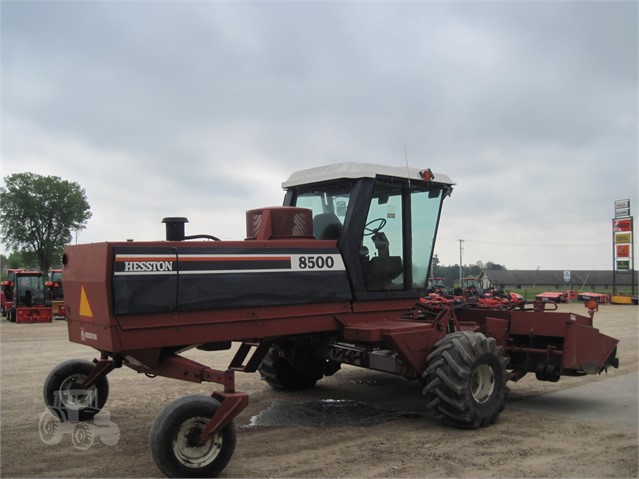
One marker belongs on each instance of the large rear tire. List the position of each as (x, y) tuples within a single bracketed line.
[(175, 441), (293, 366), (465, 380)]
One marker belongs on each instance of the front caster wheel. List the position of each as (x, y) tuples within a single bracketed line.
[(65, 399), (176, 444)]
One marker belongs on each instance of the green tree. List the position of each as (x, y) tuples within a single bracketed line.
[(495, 266), (22, 259), (39, 213)]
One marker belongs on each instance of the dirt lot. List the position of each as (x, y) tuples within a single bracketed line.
[(375, 425)]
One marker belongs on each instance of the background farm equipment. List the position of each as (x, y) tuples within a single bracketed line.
[(29, 302), (476, 291), (557, 296), (624, 299), (496, 297), (55, 292), (438, 294), (599, 297), (7, 290), (437, 286), (332, 277)]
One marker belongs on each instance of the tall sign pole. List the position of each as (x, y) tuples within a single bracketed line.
[(623, 244), (460, 263)]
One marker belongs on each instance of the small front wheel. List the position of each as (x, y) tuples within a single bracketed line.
[(176, 443), (65, 399)]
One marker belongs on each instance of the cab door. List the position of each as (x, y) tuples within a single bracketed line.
[(397, 238)]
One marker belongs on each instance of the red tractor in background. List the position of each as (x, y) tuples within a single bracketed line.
[(438, 294), (437, 286), (29, 303), (56, 293), (332, 277), (481, 292), (7, 291), (472, 286)]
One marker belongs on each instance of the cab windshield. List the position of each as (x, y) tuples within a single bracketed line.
[(30, 290)]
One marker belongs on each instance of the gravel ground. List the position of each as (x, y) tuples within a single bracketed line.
[(356, 423)]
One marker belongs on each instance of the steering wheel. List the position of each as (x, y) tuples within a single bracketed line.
[(368, 231)]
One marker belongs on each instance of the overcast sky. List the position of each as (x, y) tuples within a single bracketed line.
[(202, 109)]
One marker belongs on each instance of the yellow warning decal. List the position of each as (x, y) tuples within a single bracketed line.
[(85, 307)]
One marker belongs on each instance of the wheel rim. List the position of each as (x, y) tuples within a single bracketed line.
[(189, 448), (483, 383), (74, 398)]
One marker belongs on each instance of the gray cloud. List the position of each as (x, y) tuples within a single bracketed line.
[(205, 107)]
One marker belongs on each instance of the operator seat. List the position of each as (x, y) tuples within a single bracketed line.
[(327, 226), (27, 299)]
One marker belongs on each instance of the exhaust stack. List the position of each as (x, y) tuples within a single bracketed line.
[(175, 228)]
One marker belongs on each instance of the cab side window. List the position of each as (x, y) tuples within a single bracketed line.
[(381, 250), (424, 214)]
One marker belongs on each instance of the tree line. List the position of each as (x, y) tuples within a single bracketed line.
[(450, 273)]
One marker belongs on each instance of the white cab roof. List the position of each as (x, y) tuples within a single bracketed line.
[(357, 170)]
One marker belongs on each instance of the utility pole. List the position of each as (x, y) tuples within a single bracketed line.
[(461, 248)]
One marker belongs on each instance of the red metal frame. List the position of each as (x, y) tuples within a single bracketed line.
[(151, 343)]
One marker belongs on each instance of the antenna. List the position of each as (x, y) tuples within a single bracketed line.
[(407, 168)]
